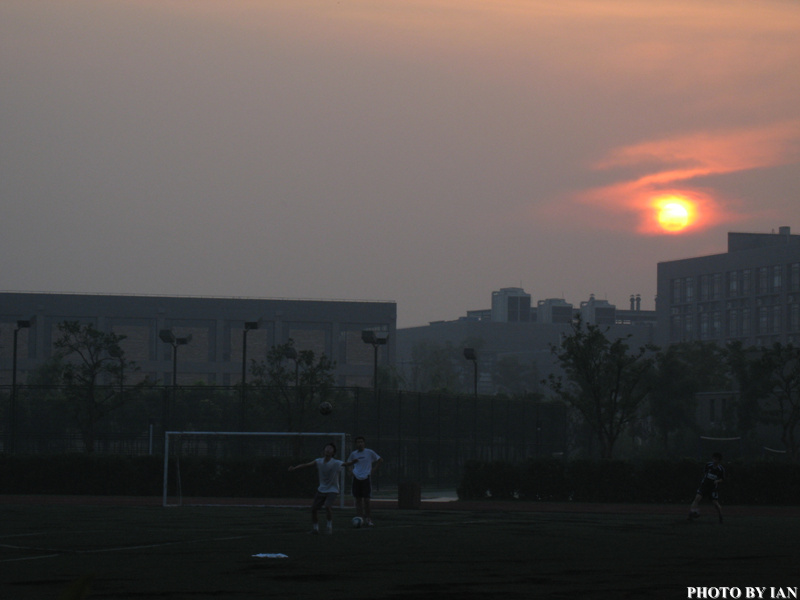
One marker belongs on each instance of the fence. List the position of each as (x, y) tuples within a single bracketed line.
[(423, 437)]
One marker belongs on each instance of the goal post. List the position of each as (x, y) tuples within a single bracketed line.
[(219, 445), (730, 447)]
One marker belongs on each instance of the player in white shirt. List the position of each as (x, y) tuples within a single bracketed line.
[(328, 469), (366, 462)]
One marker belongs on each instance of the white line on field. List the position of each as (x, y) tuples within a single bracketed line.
[(102, 550)]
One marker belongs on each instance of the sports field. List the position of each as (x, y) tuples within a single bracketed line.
[(482, 551)]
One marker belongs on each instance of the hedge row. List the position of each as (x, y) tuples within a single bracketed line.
[(546, 480), (654, 481), (85, 474)]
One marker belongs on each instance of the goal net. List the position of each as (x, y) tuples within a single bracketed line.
[(237, 468), (729, 447)]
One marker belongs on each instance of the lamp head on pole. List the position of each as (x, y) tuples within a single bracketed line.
[(376, 338), (469, 354)]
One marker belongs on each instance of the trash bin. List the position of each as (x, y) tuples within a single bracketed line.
[(409, 495)]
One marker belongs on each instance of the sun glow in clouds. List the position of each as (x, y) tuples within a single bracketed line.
[(669, 195), (674, 213)]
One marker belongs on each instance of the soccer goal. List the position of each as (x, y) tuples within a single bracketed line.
[(201, 466), (729, 447)]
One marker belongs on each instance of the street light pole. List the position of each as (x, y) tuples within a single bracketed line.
[(168, 337), (248, 326), (375, 338), (22, 324), (471, 355)]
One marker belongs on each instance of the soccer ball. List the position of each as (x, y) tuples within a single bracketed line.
[(357, 522), (326, 408)]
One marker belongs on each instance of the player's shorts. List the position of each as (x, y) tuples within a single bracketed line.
[(362, 488), (708, 491), (324, 500)]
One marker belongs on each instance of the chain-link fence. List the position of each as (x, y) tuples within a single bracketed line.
[(423, 437)]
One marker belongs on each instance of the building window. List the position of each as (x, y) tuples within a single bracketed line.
[(703, 326), (794, 277), (776, 319), (733, 323), (688, 326), (745, 321), (763, 320), (747, 281), (704, 287), (716, 286), (777, 278), (716, 324), (676, 291), (675, 328), (794, 317), (712, 410), (733, 283), (763, 280), (689, 285)]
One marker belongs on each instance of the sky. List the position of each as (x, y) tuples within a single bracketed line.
[(426, 152)]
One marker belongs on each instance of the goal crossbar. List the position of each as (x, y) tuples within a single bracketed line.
[(342, 437)]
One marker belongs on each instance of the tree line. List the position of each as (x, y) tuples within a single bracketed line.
[(612, 387)]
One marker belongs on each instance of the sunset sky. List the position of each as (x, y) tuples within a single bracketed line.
[(422, 151)]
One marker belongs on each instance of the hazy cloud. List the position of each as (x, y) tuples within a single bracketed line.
[(424, 151)]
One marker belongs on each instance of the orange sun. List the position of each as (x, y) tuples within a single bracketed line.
[(674, 213)]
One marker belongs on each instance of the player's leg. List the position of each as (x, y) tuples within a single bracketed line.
[(717, 505), (317, 503), (694, 509), (366, 493), (330, 500), (359, 499), (368, 512)]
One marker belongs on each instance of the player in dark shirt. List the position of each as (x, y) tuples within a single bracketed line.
[(713, 475)]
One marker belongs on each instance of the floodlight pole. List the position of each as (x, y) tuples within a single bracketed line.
[(370, 336), (22, 324), (168, 337), (471, 355), (248, 326), (290, 352)]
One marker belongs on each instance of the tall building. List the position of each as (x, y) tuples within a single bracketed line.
[(751, 293), (218, 345), (503, 336), (511, 305)]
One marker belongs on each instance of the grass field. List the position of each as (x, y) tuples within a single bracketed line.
[(198, 553)]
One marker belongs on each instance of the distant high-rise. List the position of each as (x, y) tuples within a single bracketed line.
[(511, 305), (554, 310), (751, 293)]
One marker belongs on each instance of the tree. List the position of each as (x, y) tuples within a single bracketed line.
[(93, 372), (433, 367), (294, 383), (769, 384), (602, 380), (512, 377), (682, 371)]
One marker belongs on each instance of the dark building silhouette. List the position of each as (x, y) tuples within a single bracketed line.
[(216, 326), (751, 293)]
